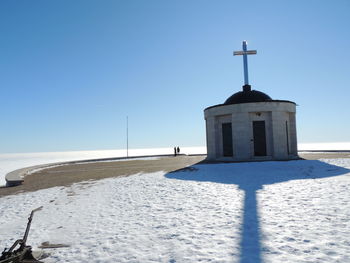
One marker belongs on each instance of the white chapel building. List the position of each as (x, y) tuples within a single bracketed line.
[(250, 126)]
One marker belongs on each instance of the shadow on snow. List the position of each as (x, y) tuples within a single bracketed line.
[(250, 177)]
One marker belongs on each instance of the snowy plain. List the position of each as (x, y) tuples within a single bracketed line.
[(295, 211)]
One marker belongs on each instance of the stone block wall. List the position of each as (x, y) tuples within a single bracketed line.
[(281, 140)]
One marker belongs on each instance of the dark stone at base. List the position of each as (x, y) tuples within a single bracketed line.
[(13, 183), (247, 88)]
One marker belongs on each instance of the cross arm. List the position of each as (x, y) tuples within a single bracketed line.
[(248, 52)]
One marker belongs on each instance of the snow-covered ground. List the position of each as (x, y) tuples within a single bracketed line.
[(295, 211), (13, 161)]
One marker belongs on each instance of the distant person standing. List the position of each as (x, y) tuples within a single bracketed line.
[(178, 150), (175, 151)]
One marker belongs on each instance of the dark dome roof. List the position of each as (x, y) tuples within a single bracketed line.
[(247, 95)]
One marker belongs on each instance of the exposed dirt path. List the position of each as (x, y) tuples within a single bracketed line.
[(65, 175), (73, 173), (323, 155)]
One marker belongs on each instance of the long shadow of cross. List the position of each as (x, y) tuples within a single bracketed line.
[(250, 177)]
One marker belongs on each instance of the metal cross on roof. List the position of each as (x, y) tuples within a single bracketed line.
[(245, 52)]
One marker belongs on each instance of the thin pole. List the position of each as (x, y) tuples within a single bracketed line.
[(245, 63), (127, 136)]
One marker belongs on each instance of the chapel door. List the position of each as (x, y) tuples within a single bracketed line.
[(259, 135), (227, 139)]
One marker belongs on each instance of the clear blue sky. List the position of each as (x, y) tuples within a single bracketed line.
[(71, 71)]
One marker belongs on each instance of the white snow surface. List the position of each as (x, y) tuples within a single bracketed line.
[(295, 211), (12, 161)]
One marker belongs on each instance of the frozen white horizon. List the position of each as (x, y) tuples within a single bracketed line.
[(13, 161), (324, 146)]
